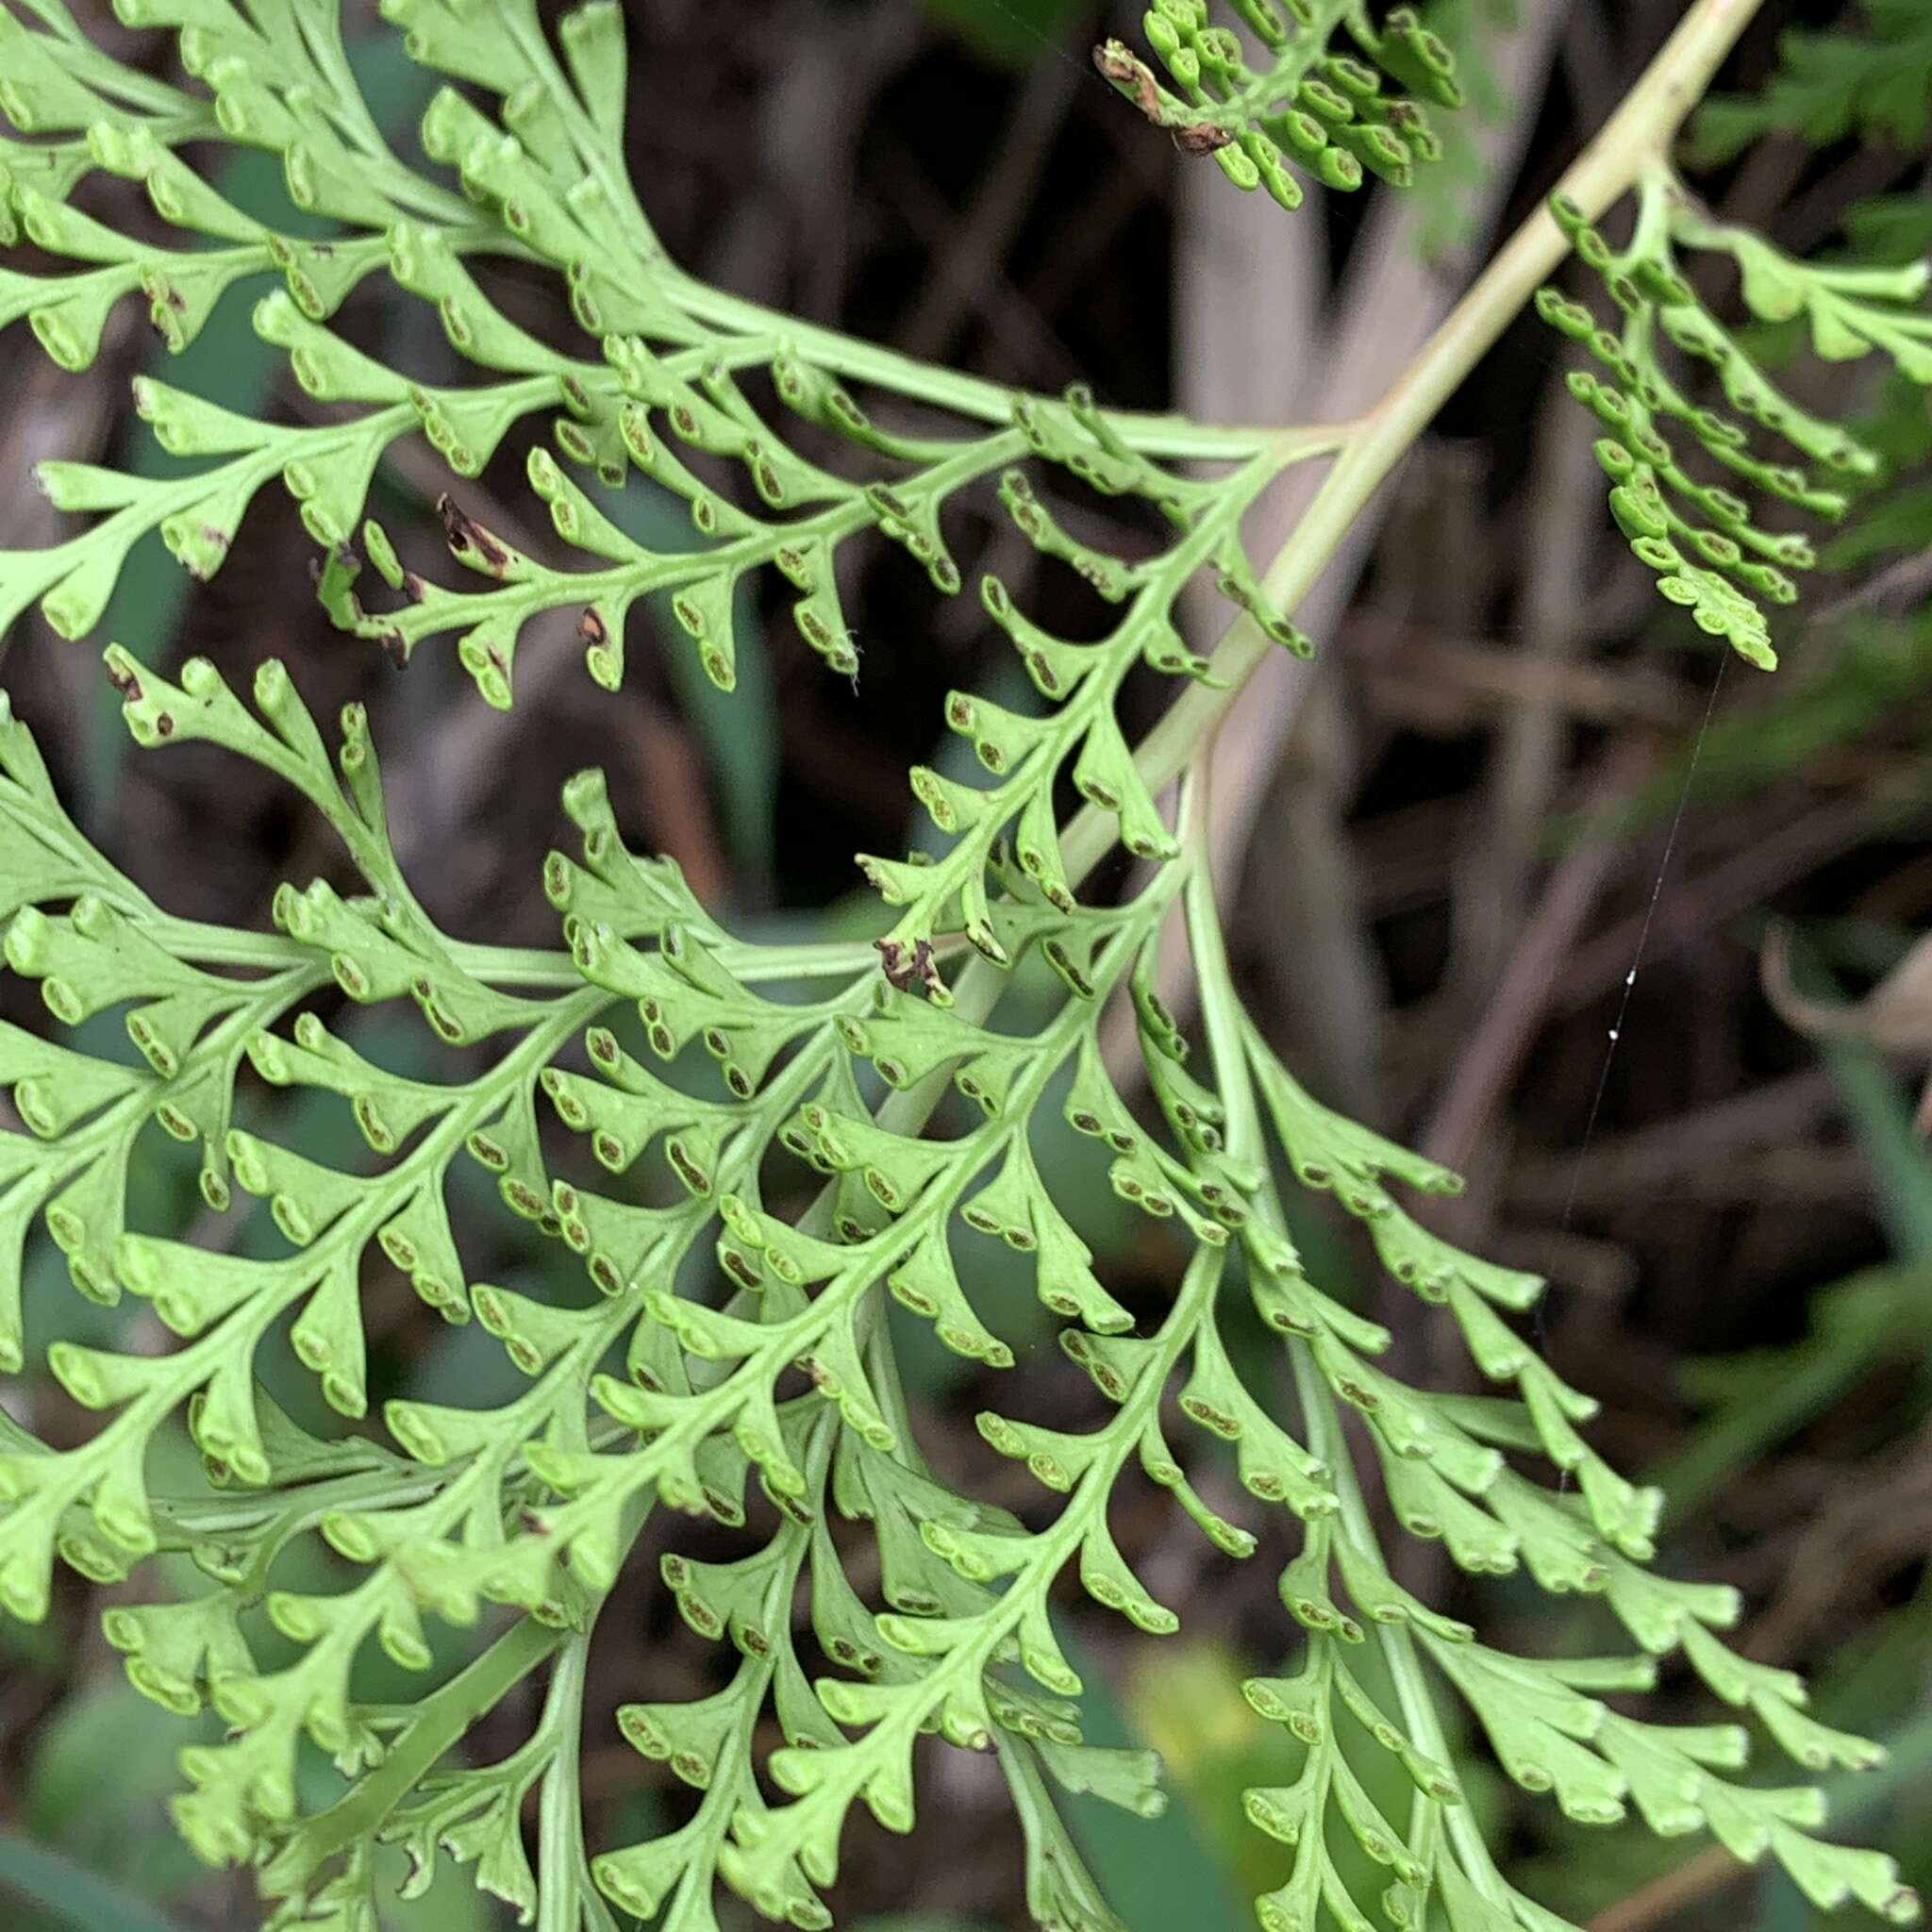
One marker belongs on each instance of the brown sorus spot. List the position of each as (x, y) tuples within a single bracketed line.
[(591, 630)]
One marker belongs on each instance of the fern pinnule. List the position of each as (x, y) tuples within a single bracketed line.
[(1721, 568)]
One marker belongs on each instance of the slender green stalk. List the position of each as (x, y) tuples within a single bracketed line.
[(436, 1724), (753, 960), (559, 1817), (1151, 432)]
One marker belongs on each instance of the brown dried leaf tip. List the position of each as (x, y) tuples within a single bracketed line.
[(1126, 71), (909, 968), (1133, 77), (1200, 137), (469, 541)]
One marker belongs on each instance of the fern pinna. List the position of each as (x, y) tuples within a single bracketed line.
[(727, 1355)]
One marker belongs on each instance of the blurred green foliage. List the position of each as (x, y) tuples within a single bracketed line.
[(1011, 33)]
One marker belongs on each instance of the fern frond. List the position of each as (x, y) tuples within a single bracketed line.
[(1444, 1465), (1026, 755), (1703, 541), (660, 373), (110, 947), (1322, 109), (1833, 86), (725, 1355)]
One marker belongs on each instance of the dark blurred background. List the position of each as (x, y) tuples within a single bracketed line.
[(1440, 850)]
